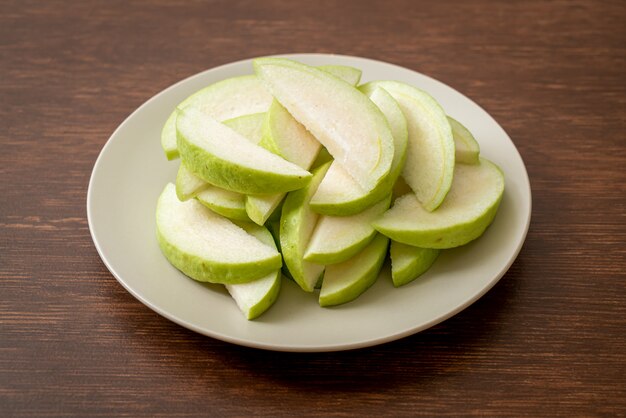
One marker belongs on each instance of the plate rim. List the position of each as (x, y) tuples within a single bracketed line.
[(291, 347)]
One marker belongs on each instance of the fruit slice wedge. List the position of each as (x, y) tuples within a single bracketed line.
[(342, 118), (249, 126), (408, 262), (226, 159), (224, 202), (285, 136), (339, 194), (338, 238), (348, 74), (466, 148), (297, 223), (188, 185), (463, 216), (223, 100), (346, 281), (429, 163), (260, 207), (228, 204), (255, 297), (206, 246)]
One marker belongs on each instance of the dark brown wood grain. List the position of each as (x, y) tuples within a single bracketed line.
[(548, 340)]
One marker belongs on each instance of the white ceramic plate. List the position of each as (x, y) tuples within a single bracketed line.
[(131, 172)]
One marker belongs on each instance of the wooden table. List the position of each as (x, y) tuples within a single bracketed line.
[(549, 339)]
